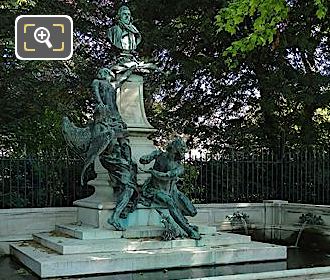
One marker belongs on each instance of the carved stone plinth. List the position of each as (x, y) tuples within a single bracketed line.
[(131, 105), (103, 196), (131, 108), (97, 218)]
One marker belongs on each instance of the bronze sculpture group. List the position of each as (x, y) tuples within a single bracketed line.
[(107, 138)]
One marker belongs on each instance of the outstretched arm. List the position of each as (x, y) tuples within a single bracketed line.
[(149, 158)]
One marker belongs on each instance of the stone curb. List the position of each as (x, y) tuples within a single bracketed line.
[(304, 273)]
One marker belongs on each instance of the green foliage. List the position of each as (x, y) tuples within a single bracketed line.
[(189, 186), (241, 220), (37, 94), (256, 23), (311, 219), (278, 94), (271, 99), (322, 9), (237, 217)]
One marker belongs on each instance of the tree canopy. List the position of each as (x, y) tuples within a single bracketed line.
[(258, 22), (285, 44), (272, 93), (242, 74)]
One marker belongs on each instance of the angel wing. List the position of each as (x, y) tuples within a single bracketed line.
[(97, 146), (78, 138)]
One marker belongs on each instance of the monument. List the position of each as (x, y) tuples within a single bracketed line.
[(107, 141), (137, 217)]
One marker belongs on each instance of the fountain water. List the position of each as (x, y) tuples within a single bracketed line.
[(307, 219), (239, 219), (299, 233)]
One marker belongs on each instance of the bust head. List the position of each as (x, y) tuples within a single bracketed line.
[(124, 15)]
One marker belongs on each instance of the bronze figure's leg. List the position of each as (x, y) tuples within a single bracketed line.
[(177, 215), (185, 205), (122, 202)]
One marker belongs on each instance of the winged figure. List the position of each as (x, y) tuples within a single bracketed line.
[(89, 142)]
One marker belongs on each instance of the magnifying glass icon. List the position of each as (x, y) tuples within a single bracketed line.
[(41, 35)]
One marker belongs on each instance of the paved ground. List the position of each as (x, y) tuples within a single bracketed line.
[(11, 270)]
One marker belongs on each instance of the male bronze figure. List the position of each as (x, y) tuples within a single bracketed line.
[(161, 188)]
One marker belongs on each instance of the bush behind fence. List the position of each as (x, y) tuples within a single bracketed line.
[(301, 177)]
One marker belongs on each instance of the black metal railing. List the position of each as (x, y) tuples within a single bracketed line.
[(301, 177), (40, 182)]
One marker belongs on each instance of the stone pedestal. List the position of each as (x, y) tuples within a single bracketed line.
[(58, 255), (97, 218), (103, 196), (131, 105), (131, 108)]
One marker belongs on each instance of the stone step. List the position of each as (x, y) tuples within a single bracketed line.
[(207, 230), (90, 232), (47, 263), (143, 232), (86, 232), (67, 245)]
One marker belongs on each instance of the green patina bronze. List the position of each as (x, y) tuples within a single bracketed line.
[(105, 90), (161, 188), (106, 137), (125, 37)]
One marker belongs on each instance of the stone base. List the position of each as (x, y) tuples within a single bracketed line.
[(87, 233), (141, 146), (97, 218), (85, 257), (103, 196), (64, 244)]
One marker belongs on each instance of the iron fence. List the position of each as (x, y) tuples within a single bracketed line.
[(40, 182), (301, 177)]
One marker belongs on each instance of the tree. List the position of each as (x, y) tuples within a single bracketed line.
[(258, 22), (272, 98), (286, 45), (197, 94), (37, 94)]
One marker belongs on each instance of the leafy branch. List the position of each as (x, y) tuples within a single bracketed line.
[(255, 23)]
